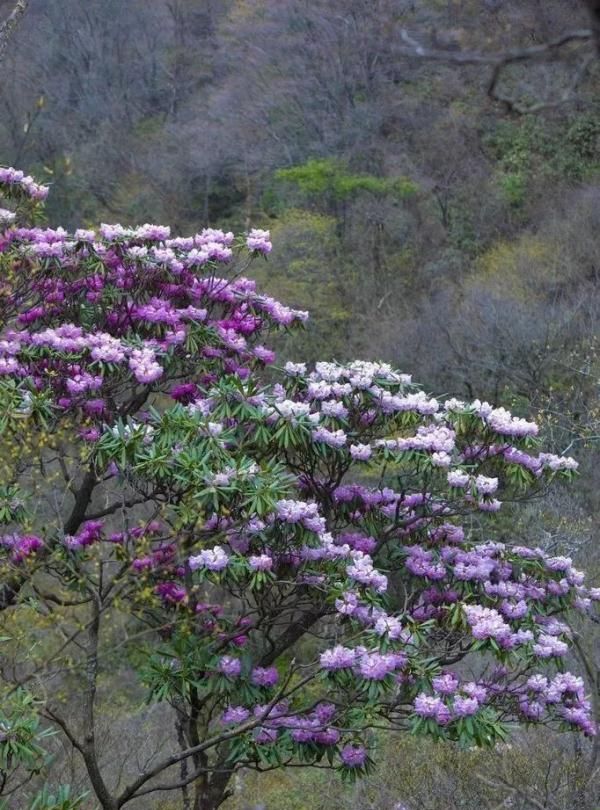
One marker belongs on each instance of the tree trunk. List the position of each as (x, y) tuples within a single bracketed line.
[(88, 750), (214, 792), (594, 11)]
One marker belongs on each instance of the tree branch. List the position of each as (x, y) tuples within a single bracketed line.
[(9, 26), (502, 783), (419, 51), (131, 791), (499, 61), (112, 508)]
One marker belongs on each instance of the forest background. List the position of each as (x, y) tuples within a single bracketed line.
[(423, 220)]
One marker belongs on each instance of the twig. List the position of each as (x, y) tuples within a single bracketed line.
[(502, 783)]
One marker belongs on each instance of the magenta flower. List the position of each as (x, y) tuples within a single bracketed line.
[(185, 393), (25, 546)]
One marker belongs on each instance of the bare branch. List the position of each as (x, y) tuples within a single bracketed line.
[(568, 95), (495, 59), (131, 791), (9, 26), (499, 61), (501, 783)]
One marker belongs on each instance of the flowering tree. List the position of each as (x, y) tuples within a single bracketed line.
[(295, 563)]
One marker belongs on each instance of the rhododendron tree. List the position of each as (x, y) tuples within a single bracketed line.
[(295, 563)]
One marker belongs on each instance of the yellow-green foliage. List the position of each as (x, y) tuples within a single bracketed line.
[(330, 176), (29, 454), (525, 266), (306, 271)]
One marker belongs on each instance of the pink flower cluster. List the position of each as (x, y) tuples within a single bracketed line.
[(148, 293)]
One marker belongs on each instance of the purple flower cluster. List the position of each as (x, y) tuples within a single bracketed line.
[(16, 180), (235, 714), (432, 706), (307, 514), (563, 696), (162, 297), (312, 727), (487, 623), (215, 559), (259, 241), (333, 438), (264, 676), (362, 570), (262, 562), (374, 666), (171, 592), (502, 421), (7, 217), (353, 756), (338, 658), (451, 699), (89, 533), (422, 562), (231, 667), (160, 312), (361, 452)]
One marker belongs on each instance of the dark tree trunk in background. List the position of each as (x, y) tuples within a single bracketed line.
[(214, 792), (594, 9)]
